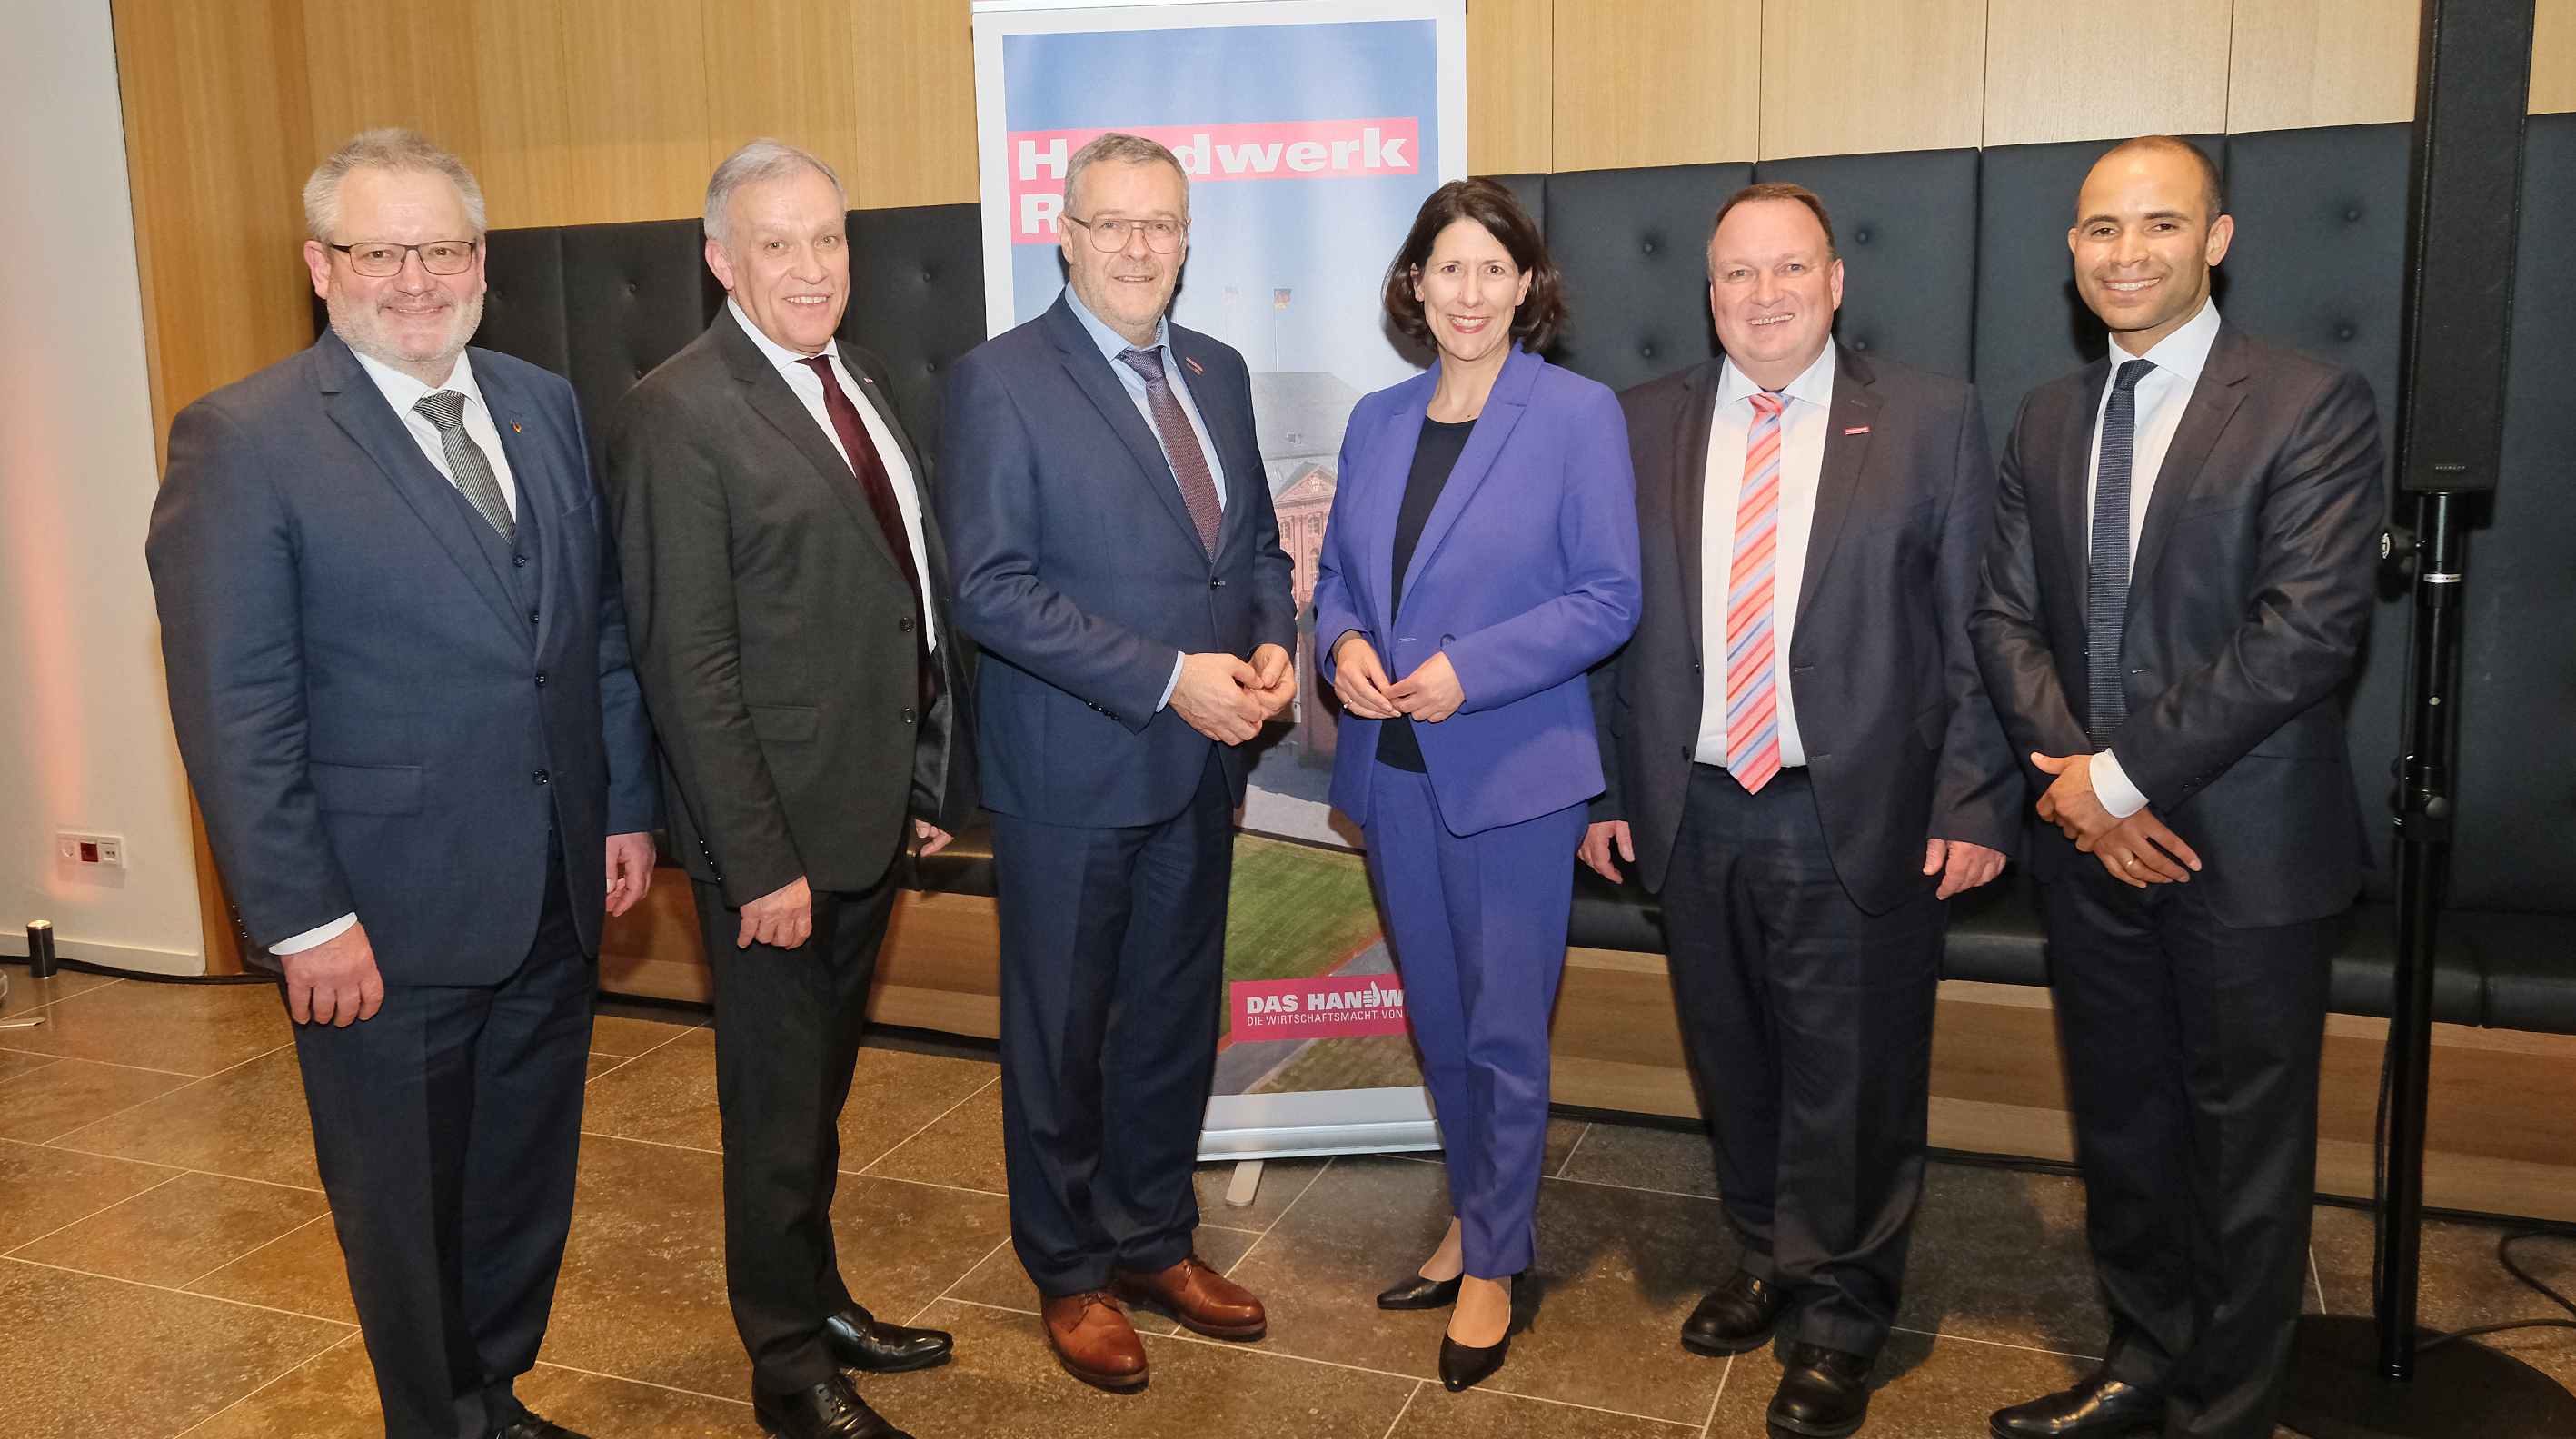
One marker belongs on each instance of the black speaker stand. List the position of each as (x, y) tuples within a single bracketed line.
[(2354, 1378)]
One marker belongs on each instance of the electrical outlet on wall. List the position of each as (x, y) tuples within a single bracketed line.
[(100, 849)]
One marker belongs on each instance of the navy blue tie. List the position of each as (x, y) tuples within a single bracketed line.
[(2106, 581)]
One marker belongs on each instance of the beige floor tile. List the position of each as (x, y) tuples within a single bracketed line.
[(642, 1293), (14, 1063), (1004, 1384), (1282, 1180), (600, 1064), (605, 1406), (962, 1148), (1562, 1137), (193, 1029), (42, 1189), (248, 1122), (331, 1396), (123, 1359), (666, 1096), (903, 1245), (301, 1271), (627, 1037), (1999, 1254), (63, 1095), (175, 1232), (26, 993), (1638, 1157), (1481, 1413), (895, 1095), (1927, 1388)]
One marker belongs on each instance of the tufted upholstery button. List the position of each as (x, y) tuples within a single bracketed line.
[(1649, 247), (925, 277), (631, 287), (2343, 332), (1859, 344), (1860, 237), (639, 372), (2354, 213), (1647, 351)]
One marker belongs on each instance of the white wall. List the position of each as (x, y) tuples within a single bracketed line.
[(84, 721)]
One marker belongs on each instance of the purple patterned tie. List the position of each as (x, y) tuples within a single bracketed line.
[(1180, 445)]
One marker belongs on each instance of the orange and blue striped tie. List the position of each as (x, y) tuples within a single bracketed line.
[(1752, 688)]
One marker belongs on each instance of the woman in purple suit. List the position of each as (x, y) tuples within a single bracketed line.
[(1482, 554)]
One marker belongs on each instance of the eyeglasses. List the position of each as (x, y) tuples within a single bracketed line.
[(380, 258), (1161, 236)]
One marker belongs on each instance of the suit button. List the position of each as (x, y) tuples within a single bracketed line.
[(1448, 639), (541, 679), (532, 616), (904, 624), (907, 714), (520, 560), (541, 777), (1216, 584)]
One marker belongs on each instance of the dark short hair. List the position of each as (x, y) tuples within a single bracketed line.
[(1774, 190), (2213, 185), (1487, 203)]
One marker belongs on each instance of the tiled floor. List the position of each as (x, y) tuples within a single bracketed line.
[(167, 1267)]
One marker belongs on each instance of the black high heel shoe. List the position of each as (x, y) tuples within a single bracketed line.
[(1464, 1366), (1420, 1293)]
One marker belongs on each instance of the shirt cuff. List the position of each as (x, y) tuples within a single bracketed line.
[(2111, 786), (319, 935), (1179, 659)]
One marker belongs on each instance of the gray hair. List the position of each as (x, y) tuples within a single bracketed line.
[(1128, 149), (392, 148), (762, 160)]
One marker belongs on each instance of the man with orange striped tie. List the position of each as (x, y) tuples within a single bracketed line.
[(1802, 760)]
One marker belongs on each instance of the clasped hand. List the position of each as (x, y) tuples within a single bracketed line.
[(1430, 694), (2137, 851), (1227, 699)]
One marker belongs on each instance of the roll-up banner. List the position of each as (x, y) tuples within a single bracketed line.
[(1312, 130)]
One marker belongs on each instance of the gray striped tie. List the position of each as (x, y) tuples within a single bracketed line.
[(2106, 582), (466, 461)]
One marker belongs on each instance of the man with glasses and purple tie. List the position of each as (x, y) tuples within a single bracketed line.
[(2183, 566), (1806, 768), (1119, 566)]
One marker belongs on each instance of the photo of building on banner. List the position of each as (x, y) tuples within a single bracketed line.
[(1312, 130)]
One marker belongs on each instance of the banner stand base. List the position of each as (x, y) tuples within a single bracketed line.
[(2461, 1390)]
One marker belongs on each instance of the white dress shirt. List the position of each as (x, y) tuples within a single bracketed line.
[(402, 392), (1111, 344), (1808, 408), (2162, 394), (808, 386)]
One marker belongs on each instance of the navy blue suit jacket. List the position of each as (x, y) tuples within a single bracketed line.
[(1080, 573), (1525, 575), (373, 724)]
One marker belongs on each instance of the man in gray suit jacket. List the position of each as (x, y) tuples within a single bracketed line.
[(1802, 760), (398, 672), (786, 585)]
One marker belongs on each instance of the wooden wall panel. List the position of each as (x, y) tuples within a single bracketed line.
[(2296, 63), (634, 143), (2099, 70), (2553, 58), (781, 68), (365, 68), (1510, 86), (913, 76), (523, 161), (1872, 75), (1656, 82)]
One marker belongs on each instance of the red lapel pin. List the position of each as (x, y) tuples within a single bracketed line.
[(1857, 430), (514, 428), (1193, 364)]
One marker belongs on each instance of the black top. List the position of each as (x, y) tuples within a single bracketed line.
[(1434, 456)]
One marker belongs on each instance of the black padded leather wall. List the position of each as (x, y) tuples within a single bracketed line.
[(635, 293), (1633, 246), (1905, 225), (2030, 324), (2517, 795), (1531, 191), (916, 301), (523, 305)]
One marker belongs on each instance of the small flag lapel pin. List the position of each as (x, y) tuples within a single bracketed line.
[(1193, 364), (1857, 430), (514, 428)]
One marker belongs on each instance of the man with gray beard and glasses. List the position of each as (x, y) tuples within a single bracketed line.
[(398, 672)]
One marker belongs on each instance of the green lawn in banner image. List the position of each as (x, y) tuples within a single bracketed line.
[(1359, 1061), (1295, 910)]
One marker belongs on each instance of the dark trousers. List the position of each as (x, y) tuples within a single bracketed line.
[(1809, 1024), (448, 1131), (1478, 928), (1113, 952), (2191, 1064), (787, 1040)]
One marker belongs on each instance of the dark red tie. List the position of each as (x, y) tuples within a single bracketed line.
[(868, 467)]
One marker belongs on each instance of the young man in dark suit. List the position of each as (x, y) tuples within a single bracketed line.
[(1802, 760), (398, 672), (786, 587), (2181, 573), (1119, 563)]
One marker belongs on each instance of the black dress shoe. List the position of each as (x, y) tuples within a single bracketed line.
[(2099, 1408), (1420, 1293), (829, 1410), (868, 1344), (1823, 1394), (533, 1427), (1735, 1316), (1464, 1366)]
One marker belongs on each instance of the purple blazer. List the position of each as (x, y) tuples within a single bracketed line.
[(1526, 575)]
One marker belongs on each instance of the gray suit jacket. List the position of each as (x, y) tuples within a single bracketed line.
[(1901, 744), (2253, 583), (773, 630)]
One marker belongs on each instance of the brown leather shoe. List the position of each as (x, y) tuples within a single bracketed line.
[(1094, 1342), (1202, 1299)]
